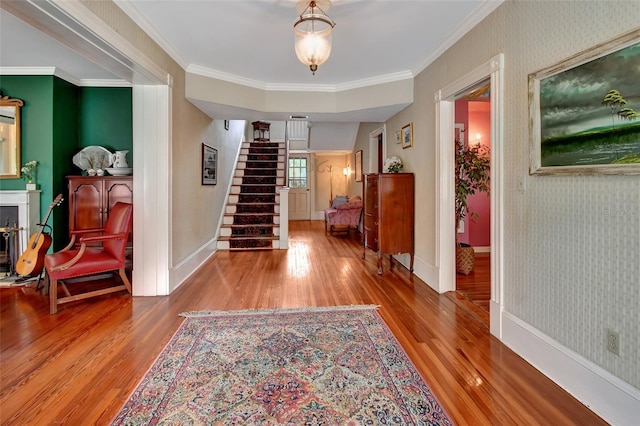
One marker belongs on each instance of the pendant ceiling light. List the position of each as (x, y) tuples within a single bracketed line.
[(313, 33)]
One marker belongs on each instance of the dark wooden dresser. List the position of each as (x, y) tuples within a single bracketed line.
[(92, 197), (389, 214)]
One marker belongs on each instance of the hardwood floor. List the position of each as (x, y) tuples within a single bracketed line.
[(80, 365), (473, 291)]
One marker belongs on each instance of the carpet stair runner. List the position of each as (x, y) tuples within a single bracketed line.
[(252, 214)]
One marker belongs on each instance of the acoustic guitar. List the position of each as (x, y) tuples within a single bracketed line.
[(31, 261)]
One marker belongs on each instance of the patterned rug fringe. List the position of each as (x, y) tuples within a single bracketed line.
[(278, 311)]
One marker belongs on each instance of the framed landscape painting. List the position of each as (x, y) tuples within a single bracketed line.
[(585, 111)]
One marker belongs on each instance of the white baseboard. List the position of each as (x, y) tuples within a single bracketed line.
[(426, 272), (611, 398), (184, 269)]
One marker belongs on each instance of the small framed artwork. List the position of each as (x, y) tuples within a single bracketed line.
[(358, 163), (584, 112), (407, 136), (226, 124), (209, 165), (398, 136)]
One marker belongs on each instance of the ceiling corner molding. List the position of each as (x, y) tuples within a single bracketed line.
[(481, 12), (146, 26), (58, 72), (27, 70), (88, 82), (219, 75), (374, 81), (279, 87)]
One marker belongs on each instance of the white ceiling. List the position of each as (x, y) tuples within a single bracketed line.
[(251, 42)]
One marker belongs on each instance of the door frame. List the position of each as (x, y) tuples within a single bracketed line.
[(373, 147), (445, 219), (309, 185)]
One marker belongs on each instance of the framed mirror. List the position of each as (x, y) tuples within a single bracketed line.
[(10, 137)]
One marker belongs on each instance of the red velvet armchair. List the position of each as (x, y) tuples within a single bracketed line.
[(91, 260)]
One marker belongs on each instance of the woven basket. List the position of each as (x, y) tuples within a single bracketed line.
[(465, 259)]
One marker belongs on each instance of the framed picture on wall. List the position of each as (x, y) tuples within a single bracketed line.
[(407, 136), (209, 165), (584, 112), (358, 163)]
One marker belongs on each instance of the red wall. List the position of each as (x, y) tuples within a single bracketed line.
[(476, 117)]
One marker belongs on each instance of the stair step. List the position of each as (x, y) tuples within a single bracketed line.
[(249, 242), (264, 230), (246, 219), (259, 172), (253, 218), (261, 144), (250, 197), (255, 208), (258, 188)]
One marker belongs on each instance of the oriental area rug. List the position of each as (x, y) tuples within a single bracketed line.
[(310, 366)]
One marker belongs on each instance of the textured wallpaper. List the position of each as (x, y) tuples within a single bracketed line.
[(572, 243)]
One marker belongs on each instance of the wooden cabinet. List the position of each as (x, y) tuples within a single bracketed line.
[(92, 197), (389, 214)]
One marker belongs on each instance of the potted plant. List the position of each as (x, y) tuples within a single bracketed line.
[(472, 168)]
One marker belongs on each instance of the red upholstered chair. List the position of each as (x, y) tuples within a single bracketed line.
[(91, 260), (344, 216)]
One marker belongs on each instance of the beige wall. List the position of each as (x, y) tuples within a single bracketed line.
[(195, 209), (328, 184), (571, 267)]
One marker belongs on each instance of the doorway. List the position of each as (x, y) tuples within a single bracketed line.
[(377, 150), (299, 194), (473, 131), (445, 98)]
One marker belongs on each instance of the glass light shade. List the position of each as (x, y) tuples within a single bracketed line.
[(312, 33), (312, 47)]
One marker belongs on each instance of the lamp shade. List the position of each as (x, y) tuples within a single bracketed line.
[(312, 33)]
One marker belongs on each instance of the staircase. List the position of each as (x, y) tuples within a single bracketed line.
[(252, 215)]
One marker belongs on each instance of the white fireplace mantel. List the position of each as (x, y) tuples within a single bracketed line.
[(28, 203)]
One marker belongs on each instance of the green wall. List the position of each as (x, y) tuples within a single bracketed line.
[(58, 120), (106, 118), (65, 136)]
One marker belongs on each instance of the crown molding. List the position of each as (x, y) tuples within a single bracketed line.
[(374, 81), (89, 82), (332, 88), (219, 75), (62, 74), (41, 71), (481, 12), (146, 26)]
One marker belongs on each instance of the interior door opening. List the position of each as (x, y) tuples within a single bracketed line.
[(473, 128)]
